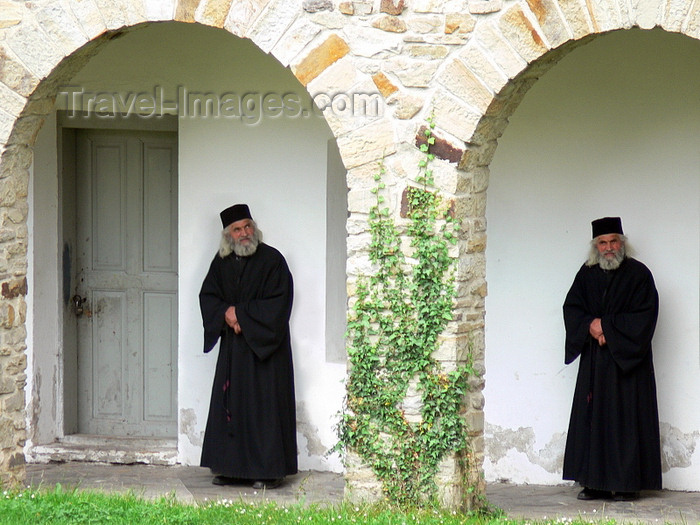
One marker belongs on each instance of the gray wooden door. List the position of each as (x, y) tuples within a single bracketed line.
[(127, 277)]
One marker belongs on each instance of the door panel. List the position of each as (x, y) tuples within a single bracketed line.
[(127, 273)]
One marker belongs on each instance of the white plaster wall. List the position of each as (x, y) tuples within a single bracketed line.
[(278, 166), (613, 129)]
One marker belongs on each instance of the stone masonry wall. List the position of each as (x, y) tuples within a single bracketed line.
[(468, 62)]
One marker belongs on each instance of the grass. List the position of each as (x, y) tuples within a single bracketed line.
[(60, 506)]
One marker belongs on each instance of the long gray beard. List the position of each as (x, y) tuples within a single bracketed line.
[(229, 246), (615, 262)]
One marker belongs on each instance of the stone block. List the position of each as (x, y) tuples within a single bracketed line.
[(385, 86), (517, 28), (314, 6), (371, 42), (499, 50), (441, 148), (647, 14), (185, 10), (274, 21), (392, 7), (475, 421), (438, 6), (159, 9), (459, 23), (10, 14), (8, 385), (390, 24), (368, 144), (462, 82), (412, 72), (363, 7), (675, 15), (425, 24), (7, 316), (239, 19), (14, 288), (16, 366), (334, 20), (116, 14), (484, 7), (406, 105), (454, 116), (347, 8), (33, 49), (212, 12), (314, 63), (25, 129), (547, 14), (693, 23), (62, 26), (13, 402), (7, 122), (294, 40), (14, 74), (604, 15), (577, 18), (88, 16), (427, 51)]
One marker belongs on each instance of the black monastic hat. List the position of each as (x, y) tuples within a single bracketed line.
[(607, 225), (235, 213)]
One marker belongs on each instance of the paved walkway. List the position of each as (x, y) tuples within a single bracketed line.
[(193, 484)]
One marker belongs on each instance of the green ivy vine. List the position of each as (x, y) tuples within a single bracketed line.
[(393, 332)]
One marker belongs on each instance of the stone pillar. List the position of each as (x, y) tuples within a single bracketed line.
[(13, 378), (14, 178)]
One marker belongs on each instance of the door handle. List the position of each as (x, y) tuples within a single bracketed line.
[(78, 305)]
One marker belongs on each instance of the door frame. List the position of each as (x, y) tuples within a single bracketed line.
[(68, 123)]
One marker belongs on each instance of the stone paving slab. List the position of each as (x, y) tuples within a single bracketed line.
[(537, 502), (193, 484), (186, 483)]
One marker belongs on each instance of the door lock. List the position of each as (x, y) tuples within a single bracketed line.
[(78, 305)]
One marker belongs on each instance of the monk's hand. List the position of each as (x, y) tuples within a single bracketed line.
[(596, 329), (601, 340), (231, 318)]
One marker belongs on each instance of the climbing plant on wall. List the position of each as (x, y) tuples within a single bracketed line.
[(403, 413)]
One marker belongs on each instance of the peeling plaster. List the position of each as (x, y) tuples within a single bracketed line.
[(501, 440), (188, 426), (34, 406), (314, 446), (677, 448)]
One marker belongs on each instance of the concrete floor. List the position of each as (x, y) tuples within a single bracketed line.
[(193, 484)]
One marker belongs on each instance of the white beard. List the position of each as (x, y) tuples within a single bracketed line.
[(246, 250), (229, 246), (614, 263)]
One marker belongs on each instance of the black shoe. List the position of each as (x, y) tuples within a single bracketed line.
[(225, 480), (267, 484), (591, 494), (626, 496)]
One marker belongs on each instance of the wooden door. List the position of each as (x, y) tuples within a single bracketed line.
[(126, 283)]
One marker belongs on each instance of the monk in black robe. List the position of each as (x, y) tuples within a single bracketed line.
[(613, 447), (246, 301)]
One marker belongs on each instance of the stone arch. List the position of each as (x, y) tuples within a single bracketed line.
[(478, 90), (32, 68)]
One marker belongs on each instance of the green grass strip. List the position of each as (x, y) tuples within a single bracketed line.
[(60, 506)]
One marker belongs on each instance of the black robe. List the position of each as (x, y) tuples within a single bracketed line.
[(613, 440), (251, 428)]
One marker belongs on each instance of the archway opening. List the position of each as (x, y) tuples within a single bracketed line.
[(246, 131), (610, 130)]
